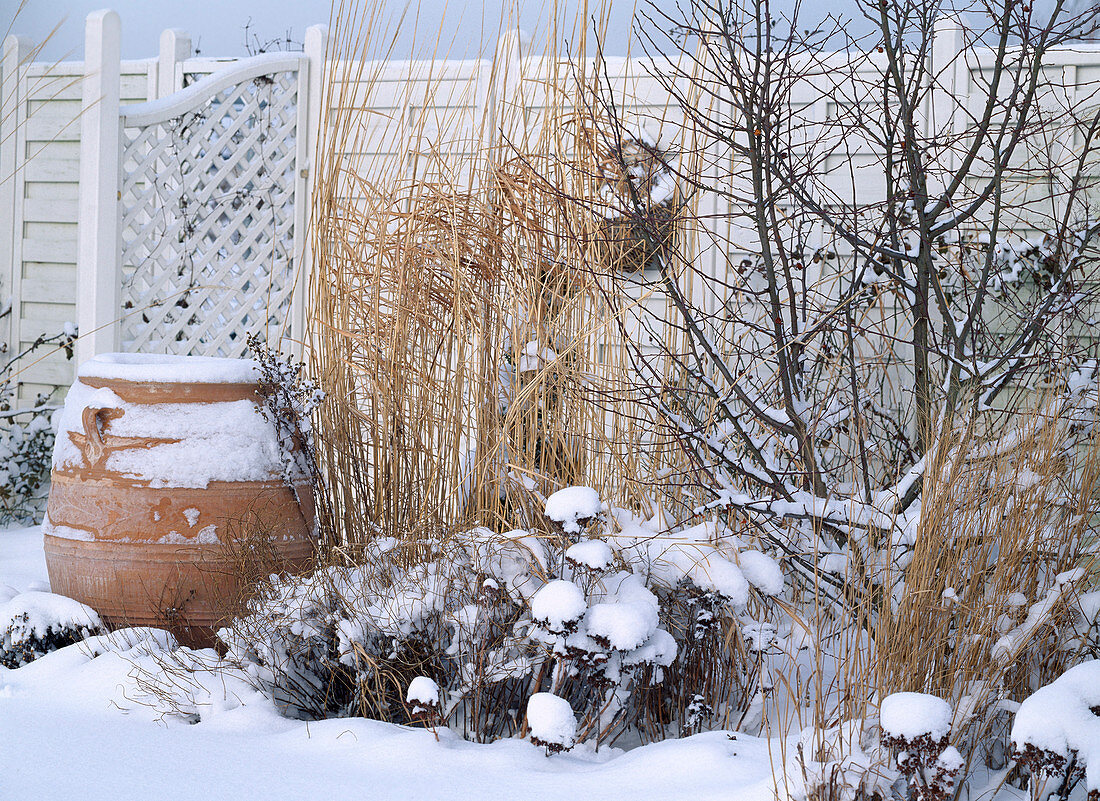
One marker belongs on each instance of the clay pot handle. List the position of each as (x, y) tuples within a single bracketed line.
[(93, 418)]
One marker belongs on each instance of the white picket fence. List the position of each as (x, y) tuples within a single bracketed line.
[(161, 203)]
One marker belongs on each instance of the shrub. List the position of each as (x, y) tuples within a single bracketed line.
[(493, 619), (1056, 734), (552, 723), (26, 435), (35, 623)]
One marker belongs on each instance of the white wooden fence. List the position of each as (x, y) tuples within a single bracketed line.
[(160, 202), (193, 206)]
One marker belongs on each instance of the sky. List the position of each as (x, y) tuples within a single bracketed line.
[(233, 28), (237, 27)]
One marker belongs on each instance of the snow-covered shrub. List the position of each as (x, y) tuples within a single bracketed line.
[(916, 726), (573, 507), (26, 434), (844, 763), (422, 698), (1056, 734), (25, 451), (494, 618), (552, 722), (287, 641), (33, 624)]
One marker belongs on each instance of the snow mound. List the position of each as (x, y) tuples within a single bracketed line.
[(552, 722), (558, 606), (593, 554), (908, 716), (568, 506), (1063, 718), (132, 640), (46, 610)]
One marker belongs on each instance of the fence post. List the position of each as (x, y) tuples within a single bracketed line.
[(311, 118), (97, 260), (175, 48), (948, 64), (17, 50), (314, 49)]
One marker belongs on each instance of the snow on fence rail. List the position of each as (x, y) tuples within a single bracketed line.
[(101, 224)]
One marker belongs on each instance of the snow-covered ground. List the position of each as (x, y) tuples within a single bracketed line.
[(78, 725)]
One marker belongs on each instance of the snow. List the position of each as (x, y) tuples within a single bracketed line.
[(707, 569), (593, 554), (207, 535), (227, 441), (910, 715), (551, 720), (558, 606), (569, 505), (659, 649), (22, 561), (628, 619), (1059, 718), (67, 532), (170, 369), (950, 759), (82, 723), (240, 748), (836, 563), (663, 188), (1089, 604), (44, 611), (761, 571), (1038, 614), (533, 358), (422, 695), (622, 626), (704, 554)]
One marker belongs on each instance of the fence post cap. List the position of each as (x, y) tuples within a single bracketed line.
[(103, 15)]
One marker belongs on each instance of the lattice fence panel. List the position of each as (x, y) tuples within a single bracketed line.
[(207, 218)]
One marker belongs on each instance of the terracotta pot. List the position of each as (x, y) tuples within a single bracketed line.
[(167, 491)]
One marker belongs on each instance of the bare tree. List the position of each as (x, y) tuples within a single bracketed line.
[(883, 242)]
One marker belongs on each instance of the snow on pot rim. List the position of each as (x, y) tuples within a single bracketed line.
[(170, 369), (168, 421)]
